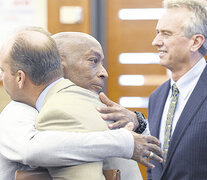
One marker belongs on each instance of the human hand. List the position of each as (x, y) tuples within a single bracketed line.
[(114, 112), (146, 146), (129, 126)]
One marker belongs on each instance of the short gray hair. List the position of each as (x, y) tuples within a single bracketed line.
[(197, 23), (38, 58)]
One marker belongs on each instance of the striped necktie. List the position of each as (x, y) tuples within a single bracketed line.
[(170, 116)]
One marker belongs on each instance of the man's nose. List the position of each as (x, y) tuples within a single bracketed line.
[(103, 73), (157, 41)]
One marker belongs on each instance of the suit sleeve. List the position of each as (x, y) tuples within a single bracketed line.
[(63, 148), (21, 142), (149, 174)]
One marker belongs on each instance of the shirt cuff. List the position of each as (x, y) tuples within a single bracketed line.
[(128, 145)]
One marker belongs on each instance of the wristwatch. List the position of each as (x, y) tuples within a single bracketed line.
[(142, 122)]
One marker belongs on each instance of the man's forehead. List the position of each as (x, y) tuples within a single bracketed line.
[(172, 18), (95, 52)]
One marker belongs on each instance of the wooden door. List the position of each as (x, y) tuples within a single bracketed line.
[(131, 36), (54, 11), (122, 36)]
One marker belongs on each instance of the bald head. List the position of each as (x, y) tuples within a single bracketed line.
[(74, 43), (82, 59)]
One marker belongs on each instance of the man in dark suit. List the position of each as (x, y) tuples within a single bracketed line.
[(178, 108)]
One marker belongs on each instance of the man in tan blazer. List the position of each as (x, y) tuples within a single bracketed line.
[(30, 65), (72, 108), (82, 60), (68, 107)]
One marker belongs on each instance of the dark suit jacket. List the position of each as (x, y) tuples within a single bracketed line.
[(187, 153)]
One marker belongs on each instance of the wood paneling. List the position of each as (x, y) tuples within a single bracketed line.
[(54, 24), (128, 36), (121, 37), (125, 36), (118, 68)]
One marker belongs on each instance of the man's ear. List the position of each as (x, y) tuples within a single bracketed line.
[(63, 62), (198, 40), (20, 78)]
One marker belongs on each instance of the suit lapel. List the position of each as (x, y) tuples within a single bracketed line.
[(157, 115), (194, 102)]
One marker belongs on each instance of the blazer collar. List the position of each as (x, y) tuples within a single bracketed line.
[(62, 84)]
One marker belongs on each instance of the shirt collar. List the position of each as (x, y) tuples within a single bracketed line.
[(189, 80), (41, 97)]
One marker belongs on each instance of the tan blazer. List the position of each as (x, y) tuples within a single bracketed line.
[(68, 107)]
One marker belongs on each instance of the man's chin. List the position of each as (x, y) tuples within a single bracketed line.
[(97, 89), (163, 63)]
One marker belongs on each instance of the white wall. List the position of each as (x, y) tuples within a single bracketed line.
[(41, 7)]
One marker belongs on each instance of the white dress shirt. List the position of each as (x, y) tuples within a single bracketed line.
[(185, 85), (21, 143)]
